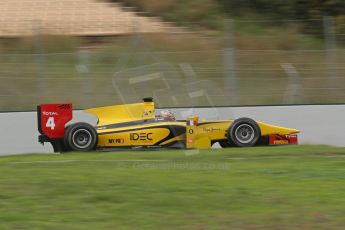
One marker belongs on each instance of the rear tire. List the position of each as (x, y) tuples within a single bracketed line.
[(244, 132), (81, 137)]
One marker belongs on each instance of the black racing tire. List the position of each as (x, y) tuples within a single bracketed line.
[(81, 137), (244, 132)]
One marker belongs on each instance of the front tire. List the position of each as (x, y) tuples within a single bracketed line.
[(244, 132), (81, 137)]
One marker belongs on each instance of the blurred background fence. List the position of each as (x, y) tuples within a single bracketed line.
[(251, 77), (242, 64)]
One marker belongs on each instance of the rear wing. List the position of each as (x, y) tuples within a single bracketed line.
[(51, 121)]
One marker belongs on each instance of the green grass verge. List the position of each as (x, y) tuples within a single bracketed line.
[(294, 187)]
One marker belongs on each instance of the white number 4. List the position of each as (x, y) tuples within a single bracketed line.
[(50, 123)]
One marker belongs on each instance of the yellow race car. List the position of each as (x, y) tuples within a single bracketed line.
[(137, 126)]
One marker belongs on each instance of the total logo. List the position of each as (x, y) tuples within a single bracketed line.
[(141, 136), (281, 142), (50, 113)]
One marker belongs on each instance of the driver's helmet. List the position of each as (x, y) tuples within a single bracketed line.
[(167, 114)]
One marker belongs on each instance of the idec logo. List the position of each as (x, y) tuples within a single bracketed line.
[(50, 113), (140, 136)]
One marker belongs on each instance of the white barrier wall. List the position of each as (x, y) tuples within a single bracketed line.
[(319, 124)]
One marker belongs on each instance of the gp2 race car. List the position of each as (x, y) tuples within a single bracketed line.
[(137, 126)]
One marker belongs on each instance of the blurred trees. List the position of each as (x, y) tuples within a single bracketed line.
[(292, 9), (209, 14), (308, 11)]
